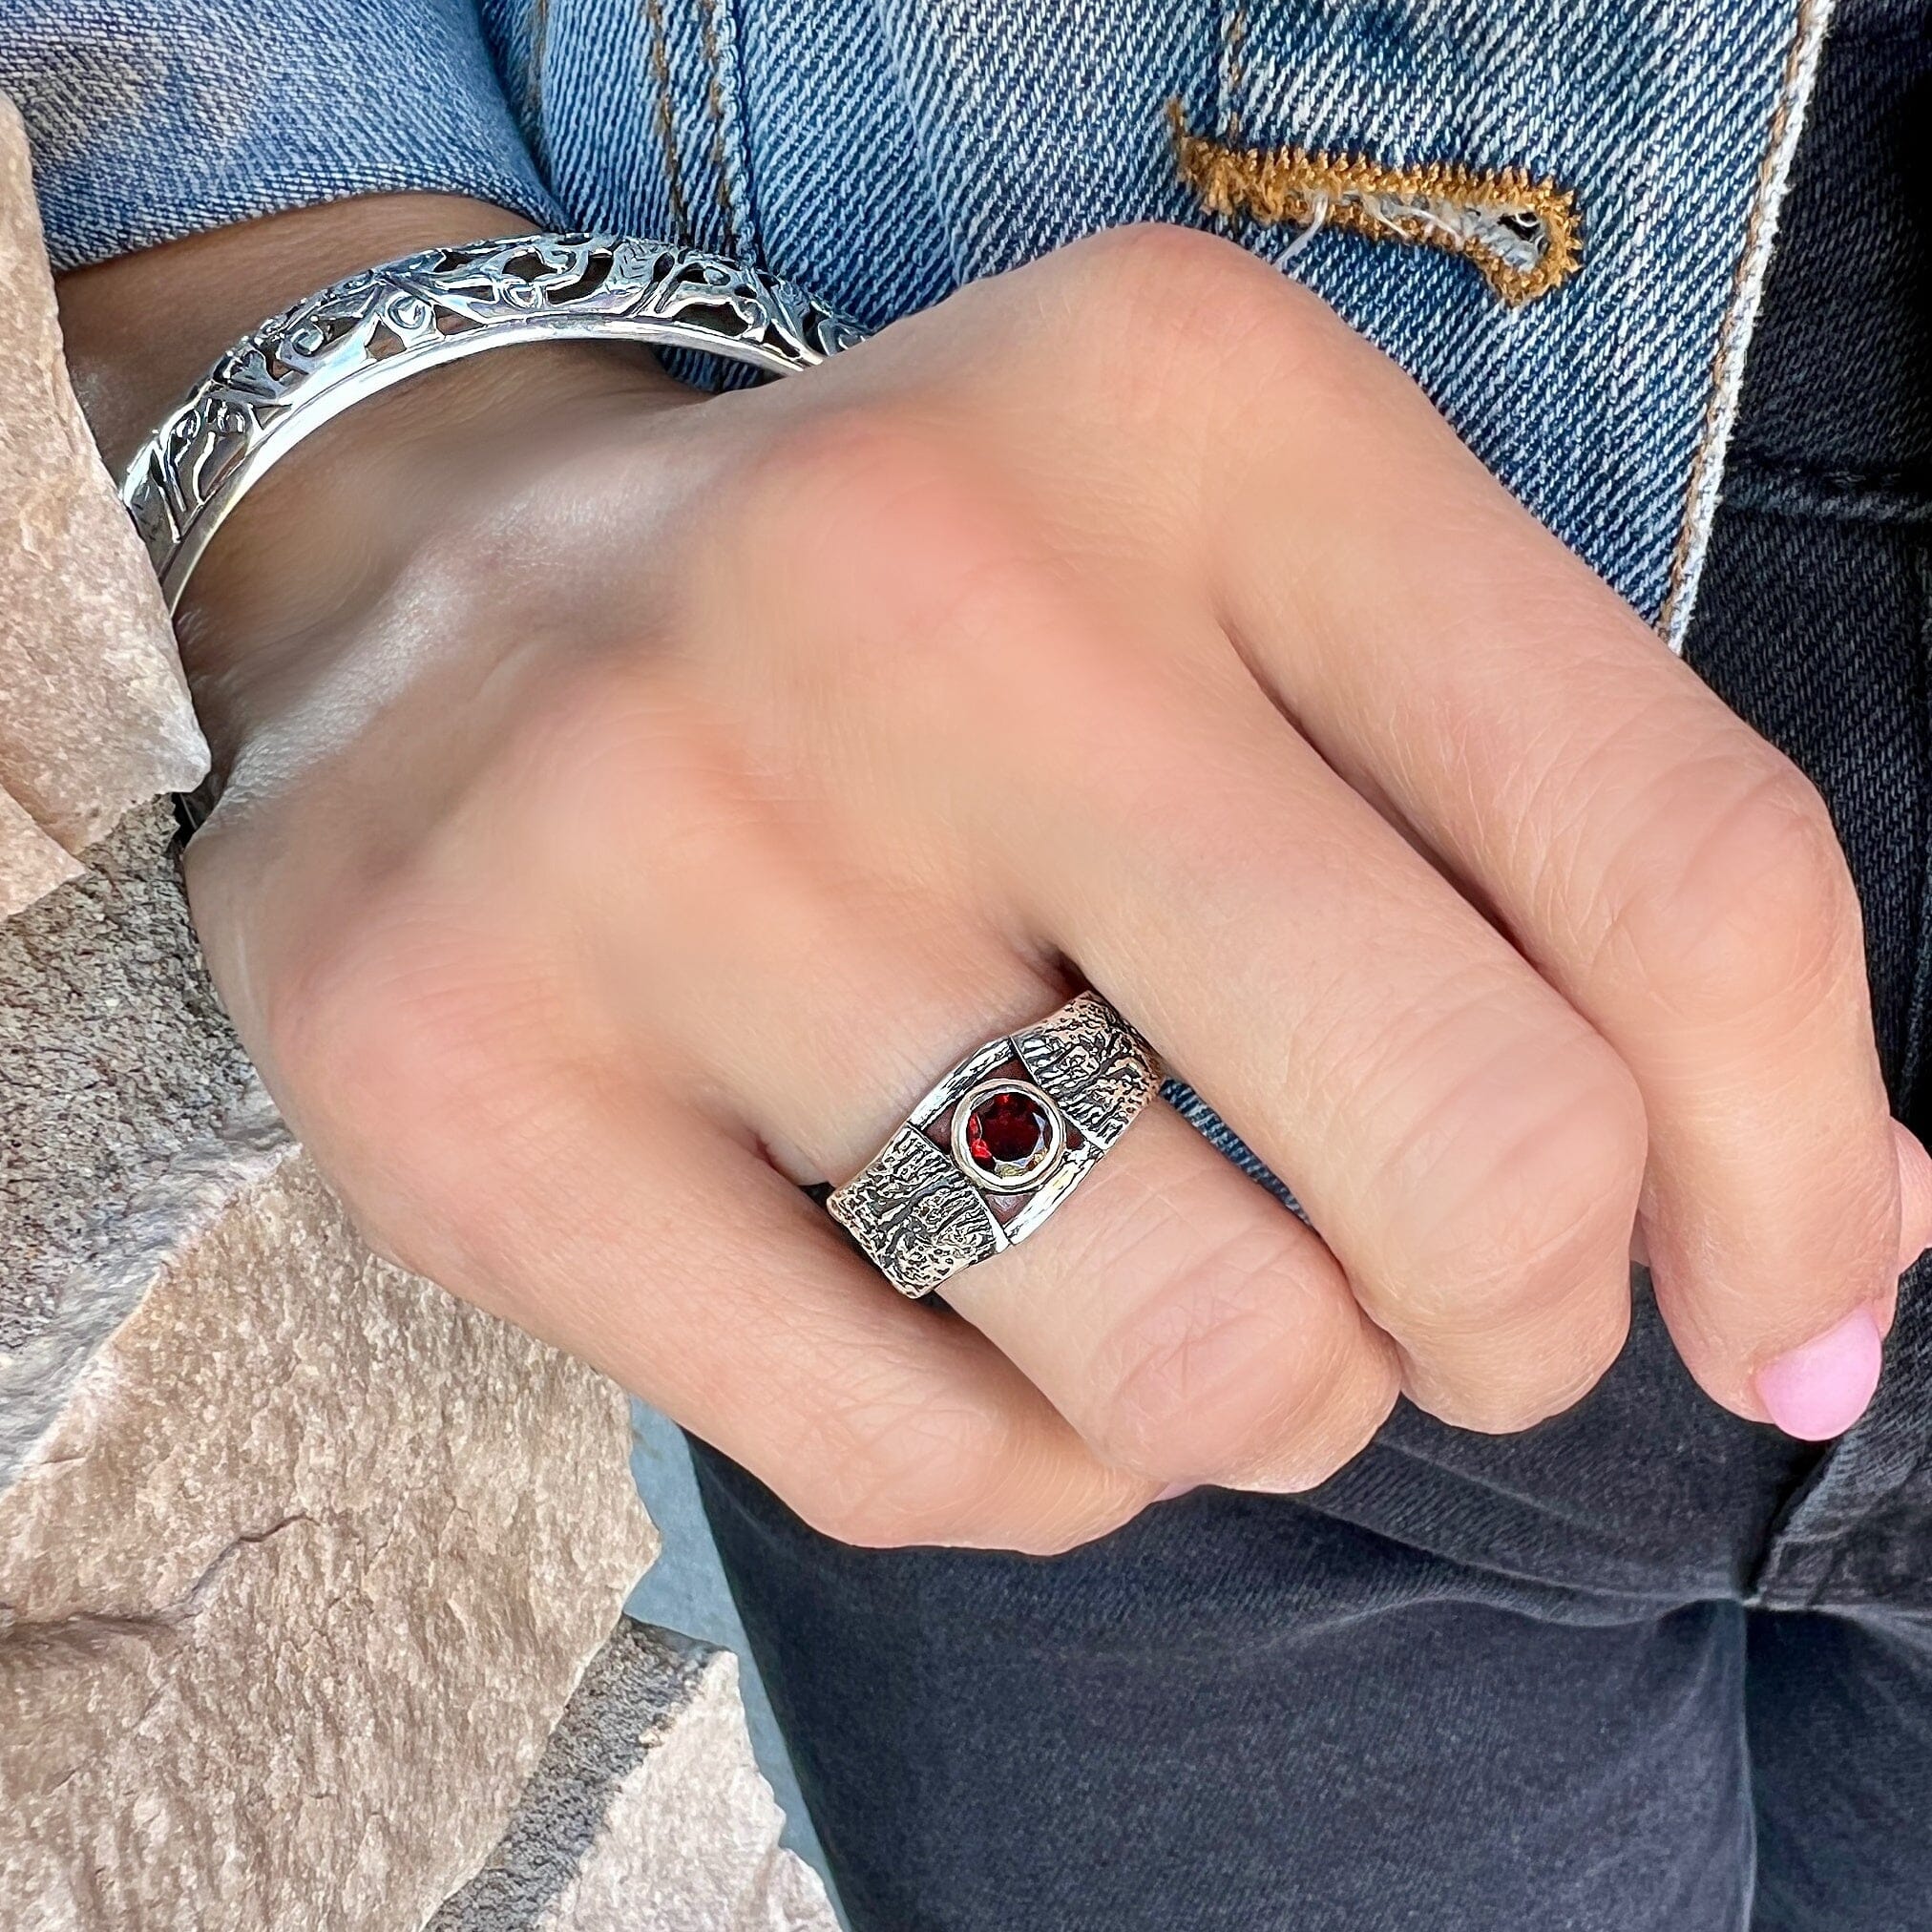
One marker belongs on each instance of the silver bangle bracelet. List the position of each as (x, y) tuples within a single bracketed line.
[(386, 323)]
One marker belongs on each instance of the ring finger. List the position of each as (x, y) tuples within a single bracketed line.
[(1189, 1326), (1094, 759)]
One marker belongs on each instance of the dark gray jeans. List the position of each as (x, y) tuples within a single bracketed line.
[(1648, 1669)]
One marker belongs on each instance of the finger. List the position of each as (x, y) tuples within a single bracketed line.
[(1186, 1324), (1467, 1146), (1914, 1196), (1190, 1327), (634, 1232), (755, 1326), (1673, 874)]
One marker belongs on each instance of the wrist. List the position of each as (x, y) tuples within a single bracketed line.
[(341, 512), (142, 327), (317, 545)]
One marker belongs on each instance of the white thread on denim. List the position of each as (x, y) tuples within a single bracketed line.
[(1734, 340), (1316, 221)]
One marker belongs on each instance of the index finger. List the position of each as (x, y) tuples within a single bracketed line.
[(1675, 876)]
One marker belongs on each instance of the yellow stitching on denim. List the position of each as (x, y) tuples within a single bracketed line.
[(1524, 236), (714, 103), (666, 121), (1234, 76)]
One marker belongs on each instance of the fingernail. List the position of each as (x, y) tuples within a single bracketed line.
[(1174, 1489), (1915, 1197), (1821, 1388)]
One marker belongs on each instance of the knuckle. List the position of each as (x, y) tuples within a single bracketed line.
[(830, 493), (897, 1472), (1213, 1378), (1144, 261), (909, 540), (1184, 313), (1524, 1207), (1546, 1385), (908, 1466), (618, 761), (1750, 906), (1163, 281), (573, 760)]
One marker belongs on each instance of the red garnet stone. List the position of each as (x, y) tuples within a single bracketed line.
[(1009, 1136)]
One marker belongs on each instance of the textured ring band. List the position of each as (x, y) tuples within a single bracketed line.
[(307, 364), (998, 1145)]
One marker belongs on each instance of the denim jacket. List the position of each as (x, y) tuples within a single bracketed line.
[(1556, 215)]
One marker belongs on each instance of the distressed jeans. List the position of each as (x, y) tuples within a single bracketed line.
[(1646, 1668)]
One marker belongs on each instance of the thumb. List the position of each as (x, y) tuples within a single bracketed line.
[(1821, 1388), (1915, 1197)]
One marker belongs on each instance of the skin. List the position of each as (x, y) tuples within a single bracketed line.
[(634, 800)]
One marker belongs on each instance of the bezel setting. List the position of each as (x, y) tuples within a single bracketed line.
[(1040, 1167), (923, 1209)]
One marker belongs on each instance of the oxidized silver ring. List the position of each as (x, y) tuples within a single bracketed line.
[(998, 1145)]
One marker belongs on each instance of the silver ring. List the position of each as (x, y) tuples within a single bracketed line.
[(998, 1145)]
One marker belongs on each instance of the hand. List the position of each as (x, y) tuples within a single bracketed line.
[(635, 801)]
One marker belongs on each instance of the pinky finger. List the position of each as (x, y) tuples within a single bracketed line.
[(685, 1268)]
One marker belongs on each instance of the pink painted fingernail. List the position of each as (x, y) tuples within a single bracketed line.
[(1174, 1489), (1821, 1388)]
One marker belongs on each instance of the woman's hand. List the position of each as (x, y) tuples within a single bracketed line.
[(635, 801)]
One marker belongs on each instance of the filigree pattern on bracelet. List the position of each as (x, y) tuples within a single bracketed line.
[(305, 366)]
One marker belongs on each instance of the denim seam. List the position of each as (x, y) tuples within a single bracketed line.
[(732, 198), (533, 86), (665, 120), (1726, 378)]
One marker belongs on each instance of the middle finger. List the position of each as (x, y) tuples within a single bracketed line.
[(1469, 1148)]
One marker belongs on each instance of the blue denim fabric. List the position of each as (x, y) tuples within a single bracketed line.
[(1648, 1669), (151, 119), (882, 151), (1644, 1669), (1589, 404)]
